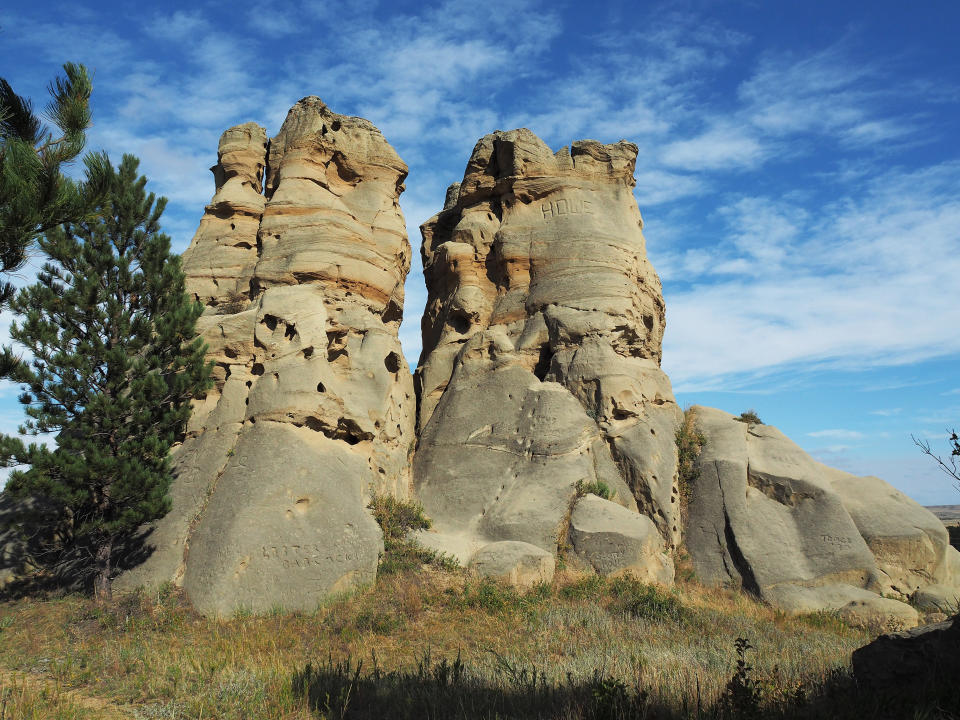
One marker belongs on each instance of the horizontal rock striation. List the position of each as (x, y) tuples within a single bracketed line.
[(312, 410), (541, 349)]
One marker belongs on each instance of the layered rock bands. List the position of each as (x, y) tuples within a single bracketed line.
[(543, 427), (300, 260), (540, 371)]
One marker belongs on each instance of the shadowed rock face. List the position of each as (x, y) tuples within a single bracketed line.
[(541, 348), (313, 403)]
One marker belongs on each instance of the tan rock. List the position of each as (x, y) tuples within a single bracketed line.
[(313, 406), (908, 541), (803, 536), (937, 598), (541, 346), (519, 564), (879, 613), (762, 515), (614, 541)]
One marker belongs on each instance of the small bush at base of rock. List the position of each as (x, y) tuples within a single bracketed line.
[(397, 518), (597, 487)]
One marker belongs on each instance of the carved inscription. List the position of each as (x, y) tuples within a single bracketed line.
[(836, 540), (566, 206), (309, 555)]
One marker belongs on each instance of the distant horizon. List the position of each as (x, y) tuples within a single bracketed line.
[(797, 172)]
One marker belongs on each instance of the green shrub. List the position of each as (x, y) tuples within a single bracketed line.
[(591, 587), (597, 487), (651, 602), (690, 442), (750, 417), (397, 518)]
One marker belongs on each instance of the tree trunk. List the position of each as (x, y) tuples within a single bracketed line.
[(102, 591)]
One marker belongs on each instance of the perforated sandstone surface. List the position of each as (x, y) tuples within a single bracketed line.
[(302, 277)]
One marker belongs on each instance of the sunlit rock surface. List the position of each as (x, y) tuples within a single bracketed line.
[(313, 406)]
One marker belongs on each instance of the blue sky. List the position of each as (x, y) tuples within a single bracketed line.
[(798, 172)]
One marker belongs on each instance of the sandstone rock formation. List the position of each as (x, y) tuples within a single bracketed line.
[(765, 516), (313, 408), (541, 350), (611, 540), (519, 564)]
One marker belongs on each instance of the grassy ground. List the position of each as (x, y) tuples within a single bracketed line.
[(434, 643)]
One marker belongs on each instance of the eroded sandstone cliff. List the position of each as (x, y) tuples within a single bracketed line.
[(805, 537), (313, 409), (541, 356)]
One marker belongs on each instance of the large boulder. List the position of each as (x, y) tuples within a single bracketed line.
[(301, 267), (909, 542), (613, 541), (541, 348), (765, 516), (519, 564)]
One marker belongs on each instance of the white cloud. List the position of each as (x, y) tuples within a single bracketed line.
[(180, 26), (837, 434), (725, 147), (661, 186), (861, 285)]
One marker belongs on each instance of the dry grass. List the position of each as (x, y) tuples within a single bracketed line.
[(25, 698), (677, 647)]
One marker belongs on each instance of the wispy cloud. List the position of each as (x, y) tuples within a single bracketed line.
[(725, 147), (837, 434)]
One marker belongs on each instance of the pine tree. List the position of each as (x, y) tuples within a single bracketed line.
[(34, 195), (115, 365)]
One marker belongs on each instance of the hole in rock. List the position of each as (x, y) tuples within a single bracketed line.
[(321, 388), (621, 414), (308, 351), (543, 363), (335, 125), (648, 321), (291, 332), (459, 322), (233, 226), (323, 130), (392, 312), (249, 383), (230, 353), (246, 401), (336, 344), (303, 501), (257, 369), (392, 362), (270, 321)]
